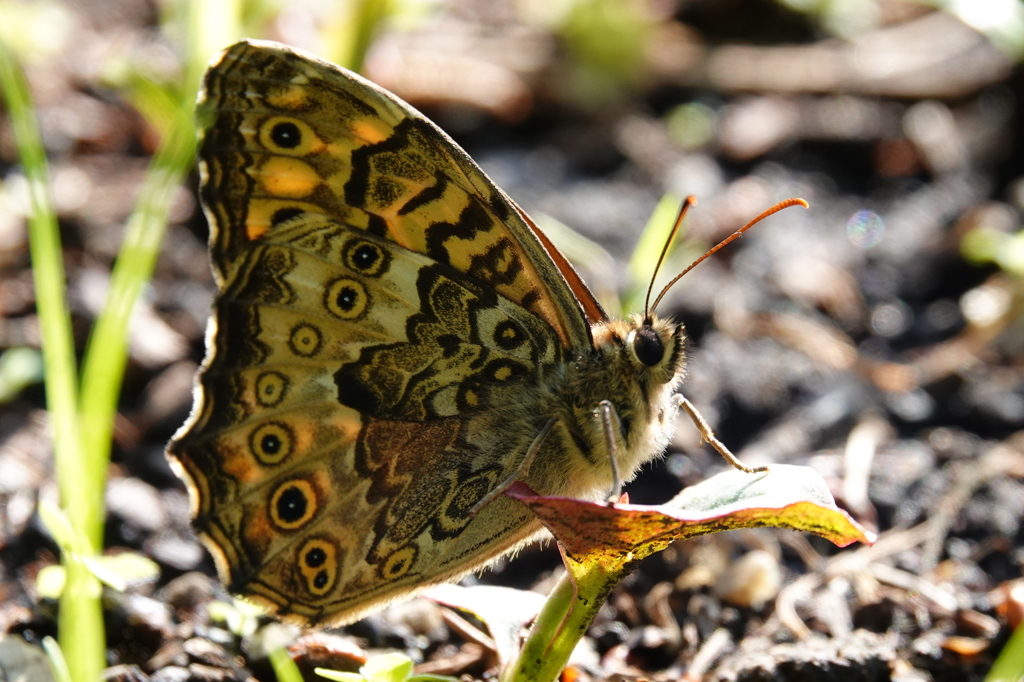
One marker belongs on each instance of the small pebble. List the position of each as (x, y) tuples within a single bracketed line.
[(124, 673), (171, 673), (752, 581), (206, 652), (20, 660)]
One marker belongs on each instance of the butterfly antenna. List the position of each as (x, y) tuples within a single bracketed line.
[(774, 209), (687, 203)]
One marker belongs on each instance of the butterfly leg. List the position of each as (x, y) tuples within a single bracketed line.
[(708, 435), (523, 467), (611, 426)]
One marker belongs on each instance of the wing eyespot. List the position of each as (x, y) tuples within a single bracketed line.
[(281, 134), (293, 504), (318, 565), (508, 335), (288, 136), (271, 443), (399, 562), (305, 340), (271, 388), (366, 257), (504, 371), (346, 298)]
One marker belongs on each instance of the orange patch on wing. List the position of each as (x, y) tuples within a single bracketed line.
[(255, 230), (371, 131), (286, 177), (260, 214), (292, 98), (348, 423)]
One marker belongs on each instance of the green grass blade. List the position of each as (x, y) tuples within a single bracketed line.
[(107, 353), (213, 26), (60, 666), (284, 667), (81, 618), (351, 39), (1009, 666), (47, 266)]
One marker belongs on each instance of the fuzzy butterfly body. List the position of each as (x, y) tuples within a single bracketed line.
[(391, 340)]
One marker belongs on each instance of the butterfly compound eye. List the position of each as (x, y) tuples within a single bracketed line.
[(648, 347)]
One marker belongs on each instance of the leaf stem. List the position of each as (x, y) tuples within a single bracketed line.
[(570, 609)]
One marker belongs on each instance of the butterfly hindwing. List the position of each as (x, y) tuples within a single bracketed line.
[(333, 449)]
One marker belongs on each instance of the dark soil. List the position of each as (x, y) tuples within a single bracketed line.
[(854, 337)]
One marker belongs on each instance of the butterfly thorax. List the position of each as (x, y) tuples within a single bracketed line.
[(634, 366)]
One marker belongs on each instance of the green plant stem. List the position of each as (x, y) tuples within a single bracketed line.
[(285, 669), (81, 618), (107, 353), (568, 612)]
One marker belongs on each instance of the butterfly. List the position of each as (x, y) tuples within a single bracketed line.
[(393, 342)]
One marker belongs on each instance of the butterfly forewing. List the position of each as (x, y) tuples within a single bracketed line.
[(286, 133)]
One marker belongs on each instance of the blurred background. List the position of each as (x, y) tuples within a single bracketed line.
[(878, 336)]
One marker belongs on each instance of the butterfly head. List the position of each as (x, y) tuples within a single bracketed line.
[(654, 348), (637, 366)]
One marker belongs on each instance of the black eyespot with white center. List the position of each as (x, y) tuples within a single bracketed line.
[(293, 504), (289, 136), (315, 557), (271, 443), (366, 257), (346, 298), (286, 135)]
